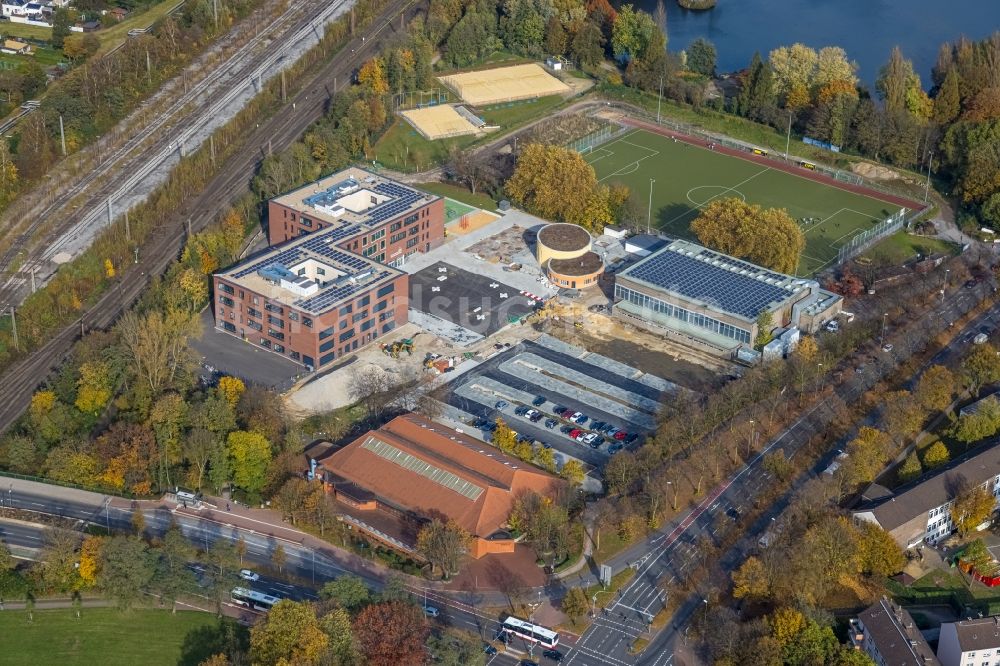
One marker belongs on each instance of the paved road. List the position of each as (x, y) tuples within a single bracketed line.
[(278, 132)]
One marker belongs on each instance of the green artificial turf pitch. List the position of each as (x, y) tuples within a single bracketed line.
[(688, 177)]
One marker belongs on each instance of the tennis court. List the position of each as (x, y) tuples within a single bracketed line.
[(688, 177)]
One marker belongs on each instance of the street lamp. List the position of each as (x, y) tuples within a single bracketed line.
[(927, 183), (881, 340), (750, 436), (788, 137), (660, 100), (649, 210)]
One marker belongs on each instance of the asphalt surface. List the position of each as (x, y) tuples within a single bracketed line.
[(278, 132), (225, 354), (493, 375)]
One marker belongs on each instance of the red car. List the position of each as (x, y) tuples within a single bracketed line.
[(576, 432), (620, 435)]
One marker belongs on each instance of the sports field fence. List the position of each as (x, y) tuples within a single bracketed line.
[(586, 144), (864, 240), (698, 133)]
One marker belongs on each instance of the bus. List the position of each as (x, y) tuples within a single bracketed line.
[(254, 600), (531, 632)]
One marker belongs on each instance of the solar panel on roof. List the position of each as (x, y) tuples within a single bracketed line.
[(714, 285), (423, 468)]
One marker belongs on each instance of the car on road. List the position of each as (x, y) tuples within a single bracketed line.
[(251, 576), (615, 448), (430, 611), (551, 423), (887, 347), (554, 655), (489, 650), (538, 401), (501, 404)]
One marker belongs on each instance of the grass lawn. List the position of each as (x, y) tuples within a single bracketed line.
[(901, 247), (611, 545), (689, 177), (512, 114), (104, 636), (458, 193), (8, 29)]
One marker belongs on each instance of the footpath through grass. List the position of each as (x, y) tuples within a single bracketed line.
[(107, 637)]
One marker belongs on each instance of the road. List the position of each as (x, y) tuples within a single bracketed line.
[(279, 131)]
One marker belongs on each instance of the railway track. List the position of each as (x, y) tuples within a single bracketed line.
[(151, 147), (21, 379)]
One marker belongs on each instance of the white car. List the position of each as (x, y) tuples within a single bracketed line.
[(887, 347), (590, 438), (246, 574)]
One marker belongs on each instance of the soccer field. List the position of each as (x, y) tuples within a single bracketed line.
[(687, 178)]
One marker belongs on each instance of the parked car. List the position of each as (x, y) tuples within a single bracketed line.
[(596, 444), (621, 435), (502, 404), (615, 448), (430, 611), (536, 417), (566, 429), (631, 438), (538, 401), (554, 655), (887, 347), (597, 425), (590, 438), (612, 431), (733, 513), (251, 576), (578, 418), (489, 650), (551, 423), (833, 326), (521, 410), (579, 437), (574, 433), (560, 410)]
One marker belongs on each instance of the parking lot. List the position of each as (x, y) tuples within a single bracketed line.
[(478, 304), (582, 404)]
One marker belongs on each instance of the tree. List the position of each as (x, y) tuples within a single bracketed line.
[(587, 47), (936, 455), (371, 388), (910, 469), (620, 472), (155, 346), (7, 561), (372, 77), (288, 634), (391, 633), (278, 557), (57, 568), (768, 237), (443, 544), (794, 68), (948, 101), (555, 36), (575, 603), (878, 552), (138, 522), (981, 367), (765, 328), (833, 67), (557, 183), (751, 581), (973, 505), (94, 387), (126, 570), (631, 33), (341, 648), (572, 471), (231, 389), (701, 57), (347, 591), (546, 459), (979, 424), (504, 437), (756, 100), (935, 389), (902, 414), (896, 81), (250, 454), (61, 23)]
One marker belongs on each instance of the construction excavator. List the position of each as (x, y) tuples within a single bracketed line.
[(394, 349)]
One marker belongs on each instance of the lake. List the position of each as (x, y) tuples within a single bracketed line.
[(866, 29)]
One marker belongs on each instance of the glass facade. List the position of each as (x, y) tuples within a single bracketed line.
[(695, 319)]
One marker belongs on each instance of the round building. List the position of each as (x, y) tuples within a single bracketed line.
[(564, 253)]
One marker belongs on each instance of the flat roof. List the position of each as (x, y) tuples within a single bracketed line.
[(564, 237), (355, 197), (715, 280), (586, 264), (275, 273)]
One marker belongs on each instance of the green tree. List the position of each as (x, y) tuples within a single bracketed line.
[(348, 591), (757, 99), (936, 455), (631, 33), (62, 21), (794, 68), (948, 101), (522, 25), (289, 634), (972, 506), (126, 571), (896, 81), (575, 603), (7, 561), (278, 557), (766, 236), (556, 40), (443, 544), (249, 454), (910, 469), (341, 648), (765, 328), (587, 47), (978, 425), (701, 57)]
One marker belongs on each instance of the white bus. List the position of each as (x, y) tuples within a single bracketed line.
[(531, 632), (252, 599)]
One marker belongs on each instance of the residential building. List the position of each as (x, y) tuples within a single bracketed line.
[(713, 301), (973, 642), (14, 7), (390, 480), (920, 511), (320, 295), (887, 634), (15, 47)]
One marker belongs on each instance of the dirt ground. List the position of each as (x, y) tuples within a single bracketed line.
[(598, 332), (502, 247)]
